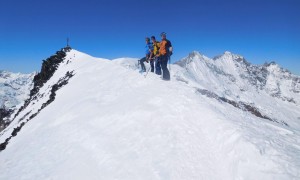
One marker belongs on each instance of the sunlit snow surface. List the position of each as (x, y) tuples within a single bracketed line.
[(110, 122)]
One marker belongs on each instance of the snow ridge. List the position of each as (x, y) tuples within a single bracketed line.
[(216, 119)]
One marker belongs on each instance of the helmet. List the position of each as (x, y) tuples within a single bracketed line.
[(147, 39), (152, 37), (163, 34)]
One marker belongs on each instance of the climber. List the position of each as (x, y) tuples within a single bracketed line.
[(148, 54), (165, 51)]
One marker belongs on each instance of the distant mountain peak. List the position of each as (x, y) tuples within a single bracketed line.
[(272, 63), (228, 52), (195, 54), (233, 67), (276, 68), (228, 55)]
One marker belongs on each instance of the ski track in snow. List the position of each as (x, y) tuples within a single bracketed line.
[(109, 122)]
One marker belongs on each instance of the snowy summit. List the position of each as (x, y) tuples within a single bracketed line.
[(93, 118)]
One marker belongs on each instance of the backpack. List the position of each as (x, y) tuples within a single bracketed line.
[(165, 46), (156, 47)]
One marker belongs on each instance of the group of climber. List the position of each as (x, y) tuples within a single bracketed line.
[(158, 54)]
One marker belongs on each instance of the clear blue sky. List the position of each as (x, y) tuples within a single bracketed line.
[(260, 30)]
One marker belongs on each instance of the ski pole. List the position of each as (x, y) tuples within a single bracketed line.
[(147, 72), (138, 64), (169, 62)]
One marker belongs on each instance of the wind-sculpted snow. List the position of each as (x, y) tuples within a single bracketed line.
[(211, 121)]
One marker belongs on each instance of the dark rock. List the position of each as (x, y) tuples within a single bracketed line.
[(49, 66), (4, 113), (240, 105)]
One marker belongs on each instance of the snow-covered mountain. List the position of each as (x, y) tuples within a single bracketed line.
[(14, 90), (263, 87), (93, 118)]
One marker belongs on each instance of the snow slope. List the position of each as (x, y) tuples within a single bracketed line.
[(109, 122)]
